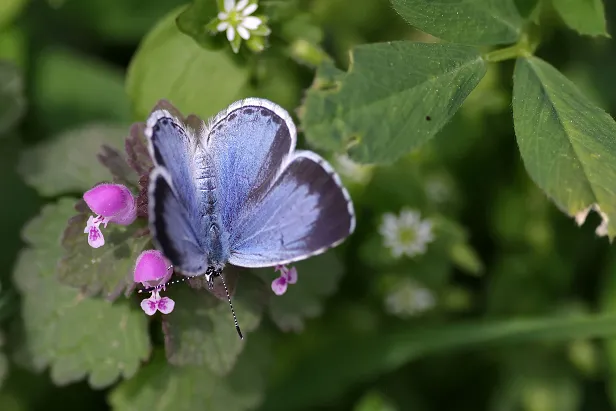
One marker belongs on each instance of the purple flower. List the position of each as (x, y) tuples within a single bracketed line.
[(287, 276), (156, 302), (112, 203), (153, 270)]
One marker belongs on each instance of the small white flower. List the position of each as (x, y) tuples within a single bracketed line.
[(406, 233), (409, 299), (237, 19)]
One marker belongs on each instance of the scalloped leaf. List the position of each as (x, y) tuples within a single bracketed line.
[(162, 387), (75, 336), (394, 97), (67, 163), (200, 330), (108, 269), (318, 278)]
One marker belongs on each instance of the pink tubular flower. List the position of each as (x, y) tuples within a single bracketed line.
[(153, 270), (112, 203), (287, 276)]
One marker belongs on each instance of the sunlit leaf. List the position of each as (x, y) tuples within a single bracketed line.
[(171, 65), (394, 98), (68, 163), (75, 336), (479, 22), (9, 9), (567, 142), (584, 16)]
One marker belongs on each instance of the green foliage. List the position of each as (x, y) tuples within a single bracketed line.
[(481, 22), (171, 65), (75, 150), (418, 106), (76, 337), (160, 387), (12, 100), (199, 331), (319, 277), (394, 97), (584, 16), (566, 142)]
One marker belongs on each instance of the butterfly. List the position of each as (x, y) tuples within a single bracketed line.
[(235, 191)]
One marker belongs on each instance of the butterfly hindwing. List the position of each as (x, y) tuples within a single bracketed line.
[(303, 213)]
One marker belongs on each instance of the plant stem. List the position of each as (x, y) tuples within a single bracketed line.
[(523, 48)]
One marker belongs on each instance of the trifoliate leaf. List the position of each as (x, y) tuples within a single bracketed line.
[(479, 22), (108, 269), (171, 65), (584, 16), (395, 97), (12, 99), (318, 278), (567, 143), (75, 336), (67, 163), (200, 330), (162, 387)]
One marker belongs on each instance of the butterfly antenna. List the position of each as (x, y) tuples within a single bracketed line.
[(237, 326)]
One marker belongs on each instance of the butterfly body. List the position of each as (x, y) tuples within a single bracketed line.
[(236, 190)]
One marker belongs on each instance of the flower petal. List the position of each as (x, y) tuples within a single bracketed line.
[(148, 306), (229, 5), (250, 9), (222, 16), (152, 269), (166, 305), (251, 22), (222, 26), (291, 275), (106, 199), (279, 286), (95, 237), (241, 30), (230, 33), (241, 4)]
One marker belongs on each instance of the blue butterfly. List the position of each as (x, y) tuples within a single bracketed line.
[(235, 191)]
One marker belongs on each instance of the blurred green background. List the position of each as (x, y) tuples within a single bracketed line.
[(504, 251)]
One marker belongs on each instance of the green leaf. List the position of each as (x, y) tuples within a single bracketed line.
[(12, 99), (374, 401), (71, 89), (107, 270), (193, 21), (584, 16), (159, 386), (352, 359), (67, 163), (73, 335), (479, 22), (200, 330), (318, 278), (9, 9), (171, 65), (395, 97), (567, 142)]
